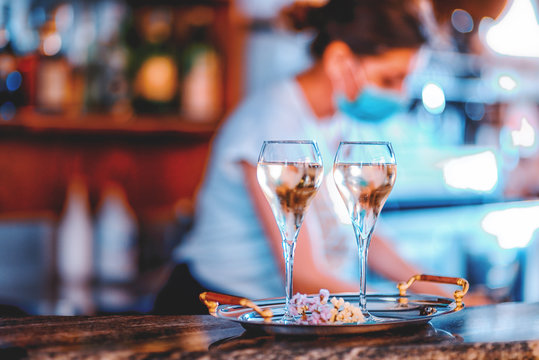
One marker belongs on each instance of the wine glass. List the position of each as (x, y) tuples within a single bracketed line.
[(364, 173), (289, 173)]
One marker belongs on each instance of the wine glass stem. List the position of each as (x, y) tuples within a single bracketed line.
[(288, 252), (363, 241), (363, 253)]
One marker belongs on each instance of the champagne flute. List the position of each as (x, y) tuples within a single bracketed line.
[(364, 173), (289, 173)]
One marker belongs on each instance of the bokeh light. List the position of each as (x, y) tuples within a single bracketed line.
[(525, 136), (13, 80), (477, 172), (507, 83), (514, 228), (433, 98), (462, 21), (516, 32), (52, 44)]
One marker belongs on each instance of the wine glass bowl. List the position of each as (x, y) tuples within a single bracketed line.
[(364, 173), (289, 173)]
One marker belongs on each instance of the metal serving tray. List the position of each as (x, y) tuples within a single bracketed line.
[(395, 311)]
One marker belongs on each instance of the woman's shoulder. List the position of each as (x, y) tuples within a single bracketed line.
[(277, 93), (270, 113), (274, 104)]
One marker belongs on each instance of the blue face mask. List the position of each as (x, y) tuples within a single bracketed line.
[(372, 104)]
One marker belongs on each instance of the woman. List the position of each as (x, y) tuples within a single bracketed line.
[(363, 51)]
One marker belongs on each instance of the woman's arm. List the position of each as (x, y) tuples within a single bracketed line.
[(387, 262)]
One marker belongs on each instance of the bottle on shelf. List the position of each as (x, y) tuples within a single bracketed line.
[(75, 236), (106, 82), (153, 66), (202, 73), (53, 87), (116, 231)]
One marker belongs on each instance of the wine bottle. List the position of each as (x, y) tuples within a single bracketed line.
[(53, 72), (116, 255), (153, 61), (202, 76), (75, 237)]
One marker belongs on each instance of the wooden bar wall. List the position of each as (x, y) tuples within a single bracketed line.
[(157, 164)]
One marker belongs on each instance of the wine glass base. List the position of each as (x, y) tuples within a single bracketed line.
[(371, 319), (283, 316), (287, 319)]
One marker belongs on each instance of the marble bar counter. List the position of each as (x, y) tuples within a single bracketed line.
[(502, 331)]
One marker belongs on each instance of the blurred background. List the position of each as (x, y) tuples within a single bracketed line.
[(107, 110)]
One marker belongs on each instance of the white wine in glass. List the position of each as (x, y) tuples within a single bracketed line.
[(289, 173), (364, 173)]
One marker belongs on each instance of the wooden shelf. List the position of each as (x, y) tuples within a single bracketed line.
[(29, 122)]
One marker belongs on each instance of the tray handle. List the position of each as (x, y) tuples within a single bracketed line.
[(212, 300), (458, 294)]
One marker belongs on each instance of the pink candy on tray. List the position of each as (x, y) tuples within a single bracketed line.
[(315, 310)]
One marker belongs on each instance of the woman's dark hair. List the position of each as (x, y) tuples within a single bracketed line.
[(367, 26)]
